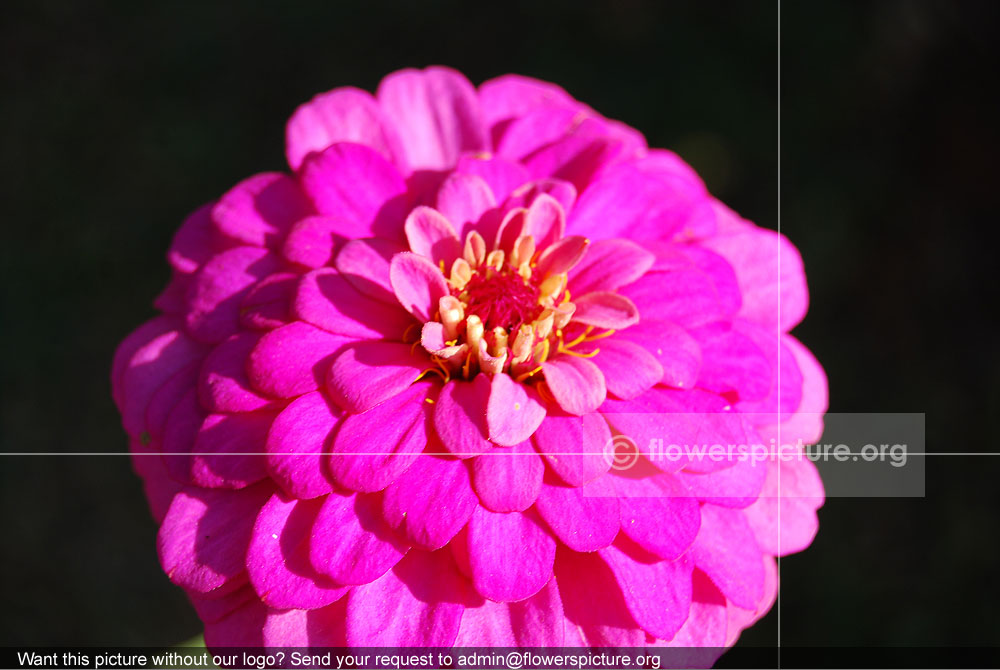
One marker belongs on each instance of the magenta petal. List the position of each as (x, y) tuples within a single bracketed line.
[(213, 609), (657, 593), (737, 486), (511, 95), (437, 114), (464, 199), (511, 555), (418, 603), (221, 436), (727, 551), (705, 625), (576, 383), (628, 369), (561, 256), (460, 416), (686, 297), (807, 422), (219, 287), (194, 242), (677, 352), (431, 235), (513, 411), (204, 537), (154, 361), (593, 601), (325, 298), (418, 284), (368, 373), (539, 621), (488, 625), (783, 518), (575, 447), (608, 265), (135, 340), (584, 518), (508, 479), (732, 363), (179, 432), (277, 559), (356, 183), (525, 195), (350, 540), (310, 241), (268, 304), (292, 360), (659, 514), (365, 263), (344, 114), (545, 220), (166, 398), (295, 442), (259, 211), (502, 176), (223, 385), (605, 310), (430, 502), (240, 628), (373, 449)]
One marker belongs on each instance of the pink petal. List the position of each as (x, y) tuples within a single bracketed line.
[(135, 340), (418, 284), (739, 618), (430, 502), (539, 621), (584, 518), (686, 297), (310, 241), (436, 113), (368, 373), (488, 625), (605, 310), (460, 416), (562, 191), (562, 255), (508, 479), (732, 363), (574, 446), (784, 394), (705, 625), (278, 557), (511, 96), (431, 235), (342, 115), (365, 263), (194, 242), (221, 436), (593, 601), (219, 287), (240, 628), (575, 383), (539, 127), (545, 220), (727, 552), (658, 514), (608, 265), (513, 411), (628, 369), (292, 360), (325, 298), (502, 176), (295, 442), (351, 542), (770, 274), (807, 422), (212, 608), (783, 518), (418, 603), (166, 398), (223, 385), (575, 158), (373, 449), (737, 486), (511, 555), (464, 199), (267, 304), (179, 434), (204, 537), (259, 211), (657, 593), (673, 347), (159, 353), (356, 183)]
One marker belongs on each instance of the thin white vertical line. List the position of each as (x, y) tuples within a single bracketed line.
[(778, 603)]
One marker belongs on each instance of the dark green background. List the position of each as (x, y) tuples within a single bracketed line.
[(120, 118)]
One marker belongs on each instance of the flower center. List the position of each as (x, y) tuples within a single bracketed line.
[(507, 310)]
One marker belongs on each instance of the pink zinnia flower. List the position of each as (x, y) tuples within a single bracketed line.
[(376, 407)]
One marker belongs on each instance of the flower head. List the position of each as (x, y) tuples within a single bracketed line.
[(385, 399)]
